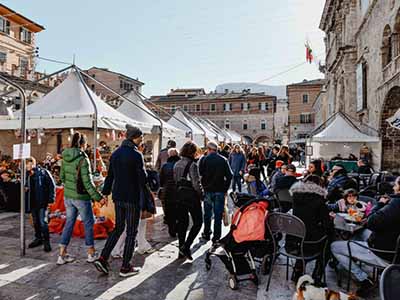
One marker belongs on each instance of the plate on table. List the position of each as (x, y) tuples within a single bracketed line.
[(352, 219)]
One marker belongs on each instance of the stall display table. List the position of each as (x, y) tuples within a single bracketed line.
[(104, 218)]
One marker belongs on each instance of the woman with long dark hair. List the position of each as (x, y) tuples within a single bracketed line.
[(189, 193), (284, 155), (79, 190), (262, 162), (253, 158), (315, 168)]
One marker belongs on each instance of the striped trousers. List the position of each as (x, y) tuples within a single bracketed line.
[(130, 216)]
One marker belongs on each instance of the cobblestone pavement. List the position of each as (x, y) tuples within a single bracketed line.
[(36, 276)]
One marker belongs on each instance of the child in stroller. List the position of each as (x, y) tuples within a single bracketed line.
[(244, 248)]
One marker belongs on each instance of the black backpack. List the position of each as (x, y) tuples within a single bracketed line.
[(185, 192)]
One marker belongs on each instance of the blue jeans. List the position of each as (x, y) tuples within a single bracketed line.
[(213, 203), (237, 181), (40, 224), (83, 208)]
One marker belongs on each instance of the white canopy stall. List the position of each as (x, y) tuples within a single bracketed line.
[(341, 136), (137, 110), (211, 134), (184, 122), (68, 106), (236, 137)]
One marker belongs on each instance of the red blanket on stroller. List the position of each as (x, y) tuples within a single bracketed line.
[(249, 223)]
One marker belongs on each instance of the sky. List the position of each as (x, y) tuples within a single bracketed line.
[(181, 43)]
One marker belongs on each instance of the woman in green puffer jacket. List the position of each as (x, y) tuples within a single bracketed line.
[(78, 196)]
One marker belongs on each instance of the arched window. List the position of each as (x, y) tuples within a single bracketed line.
[(396, 36), (263, 125), (245, 125), (227, 124), (386, 46)]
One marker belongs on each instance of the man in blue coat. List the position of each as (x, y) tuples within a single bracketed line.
[(126, 178), (237, 161), (40, 192)]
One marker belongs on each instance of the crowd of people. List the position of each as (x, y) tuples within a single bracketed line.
[(192, 183)]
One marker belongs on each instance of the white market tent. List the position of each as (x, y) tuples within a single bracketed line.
[(221, 135), (230, 135), (341, 136), (137, 110), (69, 106), (235, 137), (211, 134), (184, 122)]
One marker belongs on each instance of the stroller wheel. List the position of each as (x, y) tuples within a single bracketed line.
[(233, 284)]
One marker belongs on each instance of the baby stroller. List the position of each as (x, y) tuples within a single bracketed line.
[(243, 249)]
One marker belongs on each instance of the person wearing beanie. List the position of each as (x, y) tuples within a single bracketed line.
[(126, 180)]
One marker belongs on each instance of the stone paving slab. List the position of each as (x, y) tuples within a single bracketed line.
[(162, 277)]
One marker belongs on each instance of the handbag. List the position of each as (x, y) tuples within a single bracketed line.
[(80, 187), (149, 205), (185, 192)]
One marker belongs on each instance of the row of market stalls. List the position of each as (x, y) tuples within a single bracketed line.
[(73, 105), (202, 130)]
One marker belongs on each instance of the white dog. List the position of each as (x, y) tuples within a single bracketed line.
[(306, 290)]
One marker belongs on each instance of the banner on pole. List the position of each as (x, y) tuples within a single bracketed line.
[(21, 151)]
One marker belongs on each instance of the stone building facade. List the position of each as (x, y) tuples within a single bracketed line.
[(281, 121), (249, 114), (17, 58), (363, 68), (17, 43), (320, 109), (118, 82), (301, 97)]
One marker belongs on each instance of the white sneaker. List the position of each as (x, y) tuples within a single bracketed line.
[(91, 258), (62, 260), (146, 251)]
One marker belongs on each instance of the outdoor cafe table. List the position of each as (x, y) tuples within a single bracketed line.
[(346, 229)]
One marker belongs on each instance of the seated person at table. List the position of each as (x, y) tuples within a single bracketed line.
[(339, 182), (315, 168), (363, 167), (350, 200), (255, 185), (384, 222), (309, 206), (285, 182), (279, 172)]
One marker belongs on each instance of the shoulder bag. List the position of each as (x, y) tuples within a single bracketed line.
[(186, 195)]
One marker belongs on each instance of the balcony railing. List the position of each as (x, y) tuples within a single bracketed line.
[(391, 69)]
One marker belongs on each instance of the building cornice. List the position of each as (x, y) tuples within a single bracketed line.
[(20, 19), (366, 17), (326, 14)]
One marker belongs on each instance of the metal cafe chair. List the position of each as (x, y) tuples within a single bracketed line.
[(389, 288), (284, 200), (281, 223), (376, 266)]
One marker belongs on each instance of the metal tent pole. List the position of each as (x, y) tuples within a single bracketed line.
[(95, 118), (23, 165)]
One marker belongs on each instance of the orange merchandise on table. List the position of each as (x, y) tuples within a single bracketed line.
[(104, 218)]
